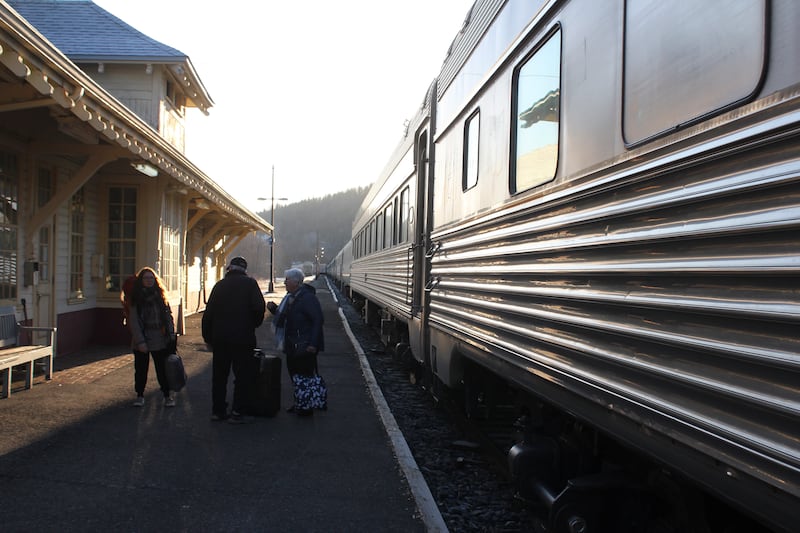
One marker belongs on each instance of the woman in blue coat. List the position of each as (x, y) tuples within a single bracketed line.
[(298, 326)]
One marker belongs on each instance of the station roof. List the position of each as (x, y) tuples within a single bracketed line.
[(87, 33), (35, 74)]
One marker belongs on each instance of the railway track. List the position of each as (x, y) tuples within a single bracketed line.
[(463, 464)]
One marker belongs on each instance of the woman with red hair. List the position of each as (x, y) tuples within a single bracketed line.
[(152, 333)]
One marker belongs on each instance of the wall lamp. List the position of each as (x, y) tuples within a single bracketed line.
[(145, 168)]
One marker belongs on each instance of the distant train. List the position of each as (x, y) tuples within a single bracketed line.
[(596, 212)]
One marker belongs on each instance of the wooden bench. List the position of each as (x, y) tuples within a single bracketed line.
[(12, 354)]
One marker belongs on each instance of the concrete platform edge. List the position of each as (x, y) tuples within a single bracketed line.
[(425, 502)]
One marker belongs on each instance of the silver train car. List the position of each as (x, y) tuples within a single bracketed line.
[(596, 210), (339, 267)]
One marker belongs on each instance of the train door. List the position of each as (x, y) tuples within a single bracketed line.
[(423, 220), (420, 229)]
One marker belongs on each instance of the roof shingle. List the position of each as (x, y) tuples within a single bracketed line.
[(84, 31)]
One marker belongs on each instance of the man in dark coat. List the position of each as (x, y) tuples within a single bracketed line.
[(233, 312)]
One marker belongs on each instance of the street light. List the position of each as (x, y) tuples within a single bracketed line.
[(271, 287)]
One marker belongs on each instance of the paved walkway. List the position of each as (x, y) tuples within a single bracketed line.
[(75, 455)]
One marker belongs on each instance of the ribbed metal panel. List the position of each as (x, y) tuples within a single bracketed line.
[(651, 291), (385, 278), (672, 294), (476, 23)]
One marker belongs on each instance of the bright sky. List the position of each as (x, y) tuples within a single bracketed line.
[(319, 89)]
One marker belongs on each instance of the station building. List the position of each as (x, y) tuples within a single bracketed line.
[(94, 180)]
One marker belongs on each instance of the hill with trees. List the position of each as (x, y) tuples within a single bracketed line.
[(305, 230)]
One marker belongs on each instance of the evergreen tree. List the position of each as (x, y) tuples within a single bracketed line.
[(303, 231)]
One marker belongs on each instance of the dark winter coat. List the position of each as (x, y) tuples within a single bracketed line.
[(234, 310), (303, 319), (151, 322)]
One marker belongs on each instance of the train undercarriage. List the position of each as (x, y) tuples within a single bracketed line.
[(573, 477)]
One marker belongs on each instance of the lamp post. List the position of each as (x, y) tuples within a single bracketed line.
[(271, 286)]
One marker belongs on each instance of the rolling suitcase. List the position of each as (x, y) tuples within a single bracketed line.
[(266, 400)]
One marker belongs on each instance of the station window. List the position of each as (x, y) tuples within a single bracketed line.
[(77, 229), (121, 236), (44, 191), (175, 97), (471, 139), (687, 60), (536, 106), (9, 189), (171, 243)]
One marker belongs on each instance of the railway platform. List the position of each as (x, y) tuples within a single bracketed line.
[(76, 455)]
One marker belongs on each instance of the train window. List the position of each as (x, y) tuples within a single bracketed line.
[(687, 60), (470, 164), (395, 213), (536, 102), (380, 244), (402, 216), (373, 229), (386, 229)]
